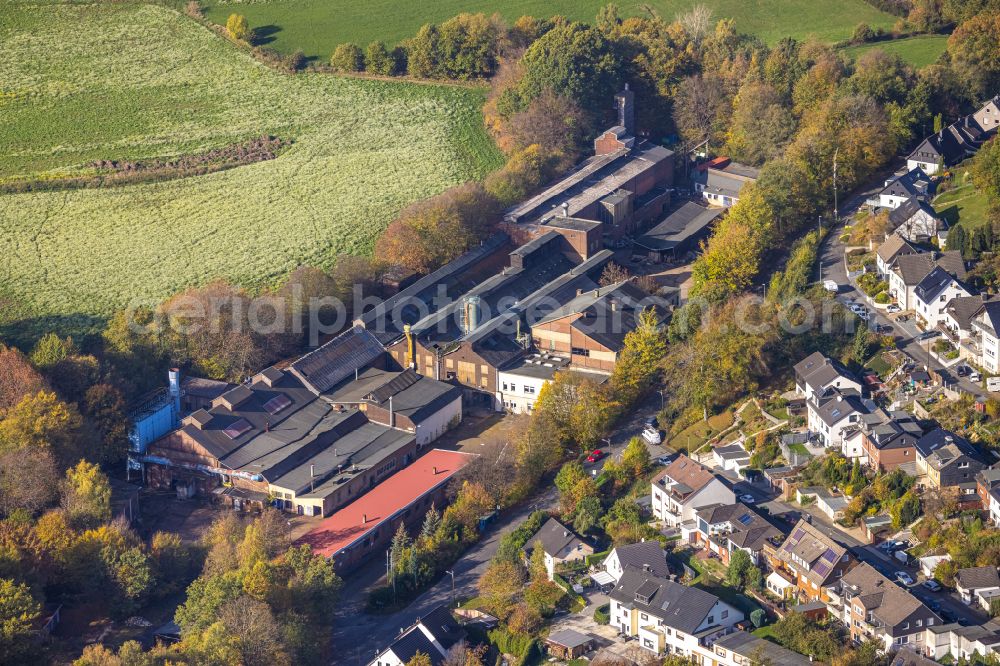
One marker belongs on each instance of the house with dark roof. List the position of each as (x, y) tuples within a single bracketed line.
[(683, 487), (645, 555), (960, 642), (950, 463), (960, 313), (914, 184), (436, 635), (817, 372), (893, 246), (725, 528), (916, 221), (893, 443), (908, 270), (874, 607), (978, 585), (988, 489), (668, 617), (741, 647), (720, 181), (986, 324), (678, 233), (812, 560), (953, 144), (560, 544), (835, 414), (932, 295)]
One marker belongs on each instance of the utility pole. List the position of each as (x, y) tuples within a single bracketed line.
[(819, 254), (452, 573)]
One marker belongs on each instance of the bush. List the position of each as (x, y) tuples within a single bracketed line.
[(602, 614), (883, 298), (295, 61), (347, 58), (238, 28), (758, 617), (380, 60), (508, 642)]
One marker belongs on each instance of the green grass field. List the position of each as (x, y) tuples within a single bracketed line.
[(918, 51), (317, 26), (82, 82), (963, 205)]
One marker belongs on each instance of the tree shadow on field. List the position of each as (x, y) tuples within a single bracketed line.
[(265, 34), (25, 332)]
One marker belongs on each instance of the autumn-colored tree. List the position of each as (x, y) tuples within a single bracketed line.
[(18, 611), (973, 47), (702, 108), (238, 28), (347, 58), (379, 59), (555, 123), (18, 378), (43, 422), (643, 350), (254, 632), (635, 458), (420, 659), (29, 480), (432, 232), (86, 495), (500, 585), (104, 406), (761, 126)]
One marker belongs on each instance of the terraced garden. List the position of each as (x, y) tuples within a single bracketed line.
[(87, 82)]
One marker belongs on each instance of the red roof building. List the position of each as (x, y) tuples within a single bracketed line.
[(369, 522)]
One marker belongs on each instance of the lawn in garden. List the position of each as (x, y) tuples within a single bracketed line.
[(317, 26), (918, 51), (80, 83)]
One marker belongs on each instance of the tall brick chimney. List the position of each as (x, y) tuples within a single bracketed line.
[(625, 105)]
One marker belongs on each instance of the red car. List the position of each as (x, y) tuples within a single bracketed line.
[(595, 455)]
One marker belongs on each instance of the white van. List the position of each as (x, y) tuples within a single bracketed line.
[(831, 286), (993, 384)]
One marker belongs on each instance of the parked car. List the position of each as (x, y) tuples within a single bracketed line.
[(747, 499), (934, 605), (963, 371), (946, 615), (888, 546), (865, 315), (831, 286), (595, 455), (932, 585), (856, 308), (904, 578), (893, 309), (975, 376), (664, 460), (883, 329), (651, 422), (927, 335), (651, 435)]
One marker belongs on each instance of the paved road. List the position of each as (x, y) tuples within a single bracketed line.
[(357, 636)]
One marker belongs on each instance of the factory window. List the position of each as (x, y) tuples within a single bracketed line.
[(577, 351)]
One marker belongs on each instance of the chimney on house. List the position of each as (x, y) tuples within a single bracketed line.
[(565, 209), (434, 469), (364, 519), (174, 382), (392, 416)]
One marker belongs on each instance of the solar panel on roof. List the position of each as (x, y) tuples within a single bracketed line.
[(277, 403), (829, 556), (237, 428), (798, 534), (822, 568), (745, 519)]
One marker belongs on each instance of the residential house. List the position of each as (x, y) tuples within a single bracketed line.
[(916, 221), (908, 270), (928, 563), (741, 648), (960, 314), (946, 148), (568, 644), (644, 555), (987, 118), (961, 642), (731, 458), (724, 528), (987, 327), (988, 489), (782, 584), (678, 234), (667, 617), (720, 181), (978, 585), (875, 607), (932, 295), (560, 545), (831, 503), (683, 487), (893, 443), (816, 373), (436, 635), (813, 559), (950, 463), (521, 382), (893, 246), (834, 412), (914, 184)]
